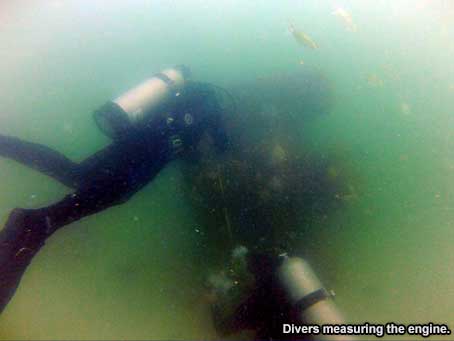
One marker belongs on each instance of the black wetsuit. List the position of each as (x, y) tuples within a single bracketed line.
[(108, 177)]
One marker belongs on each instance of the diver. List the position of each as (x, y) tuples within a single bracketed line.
[(268, 291), (159, 120)]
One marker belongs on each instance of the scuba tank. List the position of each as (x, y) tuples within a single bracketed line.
[(311, 303), (140, 104)]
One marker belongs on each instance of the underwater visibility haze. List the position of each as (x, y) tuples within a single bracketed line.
[(341, 128)]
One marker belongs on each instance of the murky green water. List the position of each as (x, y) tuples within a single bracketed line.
[(137, 271)]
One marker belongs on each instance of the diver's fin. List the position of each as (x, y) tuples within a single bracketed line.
[(21, 238)]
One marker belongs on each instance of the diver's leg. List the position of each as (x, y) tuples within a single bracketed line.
[(26, 230), (41, 158)]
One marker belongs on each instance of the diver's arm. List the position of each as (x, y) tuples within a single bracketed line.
[(220, 137)]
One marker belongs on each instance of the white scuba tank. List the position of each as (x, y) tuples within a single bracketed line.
[(312, 303), (138, 105)]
